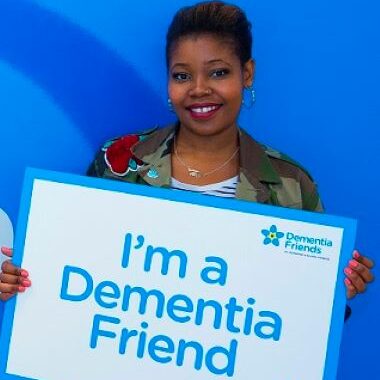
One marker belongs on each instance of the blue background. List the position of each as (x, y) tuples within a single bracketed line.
[(74, 73)]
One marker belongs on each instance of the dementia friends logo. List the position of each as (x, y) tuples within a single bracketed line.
[(310, 246), (272, 236)]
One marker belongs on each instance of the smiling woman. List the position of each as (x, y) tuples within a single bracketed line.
[(206, 89), (206, 92), (210, 66)]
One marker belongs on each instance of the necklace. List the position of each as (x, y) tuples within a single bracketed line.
[(195, 173)]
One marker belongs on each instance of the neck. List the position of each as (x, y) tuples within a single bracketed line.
[(220, 144), (204, 159)]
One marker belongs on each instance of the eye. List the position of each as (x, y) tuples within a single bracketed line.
[(219, 73), (181, 77)]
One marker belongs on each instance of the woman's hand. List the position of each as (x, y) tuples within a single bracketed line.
[(358, 274), (13, 280)]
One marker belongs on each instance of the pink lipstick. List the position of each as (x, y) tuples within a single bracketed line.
[(203, 111)]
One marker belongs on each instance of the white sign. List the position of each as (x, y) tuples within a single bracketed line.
[(134, 282)]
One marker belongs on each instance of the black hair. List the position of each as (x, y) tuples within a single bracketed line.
[(217, 18)]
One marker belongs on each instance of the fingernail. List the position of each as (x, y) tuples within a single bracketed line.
[(348, 271), (24, 273), (356, 254), (21, 289), (353, 263), (26, 283), (347, 281), (6, 250)]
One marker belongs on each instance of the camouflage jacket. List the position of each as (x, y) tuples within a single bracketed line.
[(265, 175)]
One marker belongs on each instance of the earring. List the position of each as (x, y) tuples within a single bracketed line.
[(251, 97), (170, 105)]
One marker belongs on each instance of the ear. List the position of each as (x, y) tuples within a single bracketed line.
[(249, 69)]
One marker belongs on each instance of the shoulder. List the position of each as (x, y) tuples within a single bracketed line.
[(286, 165), (297, 186), (116, 157)]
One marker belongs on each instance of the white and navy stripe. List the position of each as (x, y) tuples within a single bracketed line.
[(225, 189)]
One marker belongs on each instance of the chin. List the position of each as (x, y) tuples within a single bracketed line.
[(205, 129), (211, 127)]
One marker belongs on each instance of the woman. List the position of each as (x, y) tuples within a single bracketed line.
[(210, 67)]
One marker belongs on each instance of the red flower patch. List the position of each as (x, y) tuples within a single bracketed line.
[(118, 155)]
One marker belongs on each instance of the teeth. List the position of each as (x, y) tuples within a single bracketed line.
[(204, 109)]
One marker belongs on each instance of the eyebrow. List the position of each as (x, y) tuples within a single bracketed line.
[(211, 62), (217, 61)]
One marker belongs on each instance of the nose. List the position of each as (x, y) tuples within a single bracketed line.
[(200, 87)]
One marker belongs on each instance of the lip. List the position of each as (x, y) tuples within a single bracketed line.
[(198, 111)]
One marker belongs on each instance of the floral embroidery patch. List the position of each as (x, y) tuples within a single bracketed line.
[(119, 157)]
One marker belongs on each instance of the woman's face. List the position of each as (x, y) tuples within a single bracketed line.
[(206, 81)]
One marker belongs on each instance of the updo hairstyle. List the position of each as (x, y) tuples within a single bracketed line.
[(216, 18)]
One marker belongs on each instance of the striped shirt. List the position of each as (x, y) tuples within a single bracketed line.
[(226, 189)]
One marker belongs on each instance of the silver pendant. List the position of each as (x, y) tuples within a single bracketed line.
[(194, 173)]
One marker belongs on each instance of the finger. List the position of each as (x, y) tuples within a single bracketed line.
[(9, 288), (10, 279), (9, 268), (15, 280), (356, 280), (350, 289), (362, 270), (363, 260), (7, 251)]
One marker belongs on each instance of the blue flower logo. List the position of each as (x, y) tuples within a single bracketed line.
[(272, 236)]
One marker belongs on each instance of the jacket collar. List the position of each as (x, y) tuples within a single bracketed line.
[(155, 153), (256, 170)]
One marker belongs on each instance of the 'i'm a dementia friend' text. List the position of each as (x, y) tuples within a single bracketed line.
[(237, 317)]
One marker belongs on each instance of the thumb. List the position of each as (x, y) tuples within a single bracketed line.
[(7, 251)]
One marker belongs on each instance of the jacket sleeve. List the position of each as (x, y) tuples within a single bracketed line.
[(98, 166), (311, 200)]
